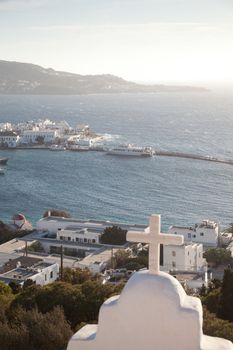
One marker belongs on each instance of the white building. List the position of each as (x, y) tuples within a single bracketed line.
[(83, 235), (9, 139), (40, 272), (31, 136), (53, 224), (6, 127), (78, 237), (186, 257), (207, 233)]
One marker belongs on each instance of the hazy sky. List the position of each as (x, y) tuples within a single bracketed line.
[(147, 40)]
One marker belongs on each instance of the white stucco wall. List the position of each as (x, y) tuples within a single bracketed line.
[(46, 275), (187, 257), (82, 236), (152, 313), (30, 136)]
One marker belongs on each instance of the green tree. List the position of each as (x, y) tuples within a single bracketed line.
[(113, 235), (81, 302), (15, 287), (78, 276), (121, 257), (36, 247), (216, 327), (218, 256), (212, 299), (35, 331), (226, 305), (6, 296)]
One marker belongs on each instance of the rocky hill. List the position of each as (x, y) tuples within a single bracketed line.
[(25, 79)]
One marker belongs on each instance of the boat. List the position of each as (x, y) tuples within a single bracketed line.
[(130, 150), (57, 148), (78, 148), (3, 161), (2, 171)]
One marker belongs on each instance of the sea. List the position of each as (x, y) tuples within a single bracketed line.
[(93, 185)]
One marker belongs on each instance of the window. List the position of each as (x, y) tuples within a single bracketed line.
[(45, 277), (93, 241), (77, 239), (188, 253), (61, 238), (189, 235), (173, 253), (201, 234), (175, 233), (51, 274), (173, 264), (85, 240), (194, 236), (69, 238)]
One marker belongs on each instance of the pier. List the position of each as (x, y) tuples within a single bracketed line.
[(157, 153), (192, 156)]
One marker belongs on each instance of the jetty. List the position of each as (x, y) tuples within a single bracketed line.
[(192, 156)]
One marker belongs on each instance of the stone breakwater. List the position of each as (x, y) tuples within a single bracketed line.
[(193, 156), (155, 153)]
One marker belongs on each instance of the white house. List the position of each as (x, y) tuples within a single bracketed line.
[(83, 235), (31, 136), (9, 139), (41, 273), (207, 233), (186, 257)]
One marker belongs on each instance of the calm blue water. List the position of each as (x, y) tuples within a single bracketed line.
[(93, 185)]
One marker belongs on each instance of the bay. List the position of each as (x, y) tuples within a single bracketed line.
[(94, 185)]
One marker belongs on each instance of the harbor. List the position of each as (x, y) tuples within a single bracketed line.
[(153, 152), (46, 134)]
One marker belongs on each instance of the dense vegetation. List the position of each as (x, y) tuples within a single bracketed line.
[(113, 235), (218, 301), (218, 256), (124, 259), (43, 318)]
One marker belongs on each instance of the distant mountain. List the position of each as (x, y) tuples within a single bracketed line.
[(29, 79)]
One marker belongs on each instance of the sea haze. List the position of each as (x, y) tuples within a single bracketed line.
[(94, 185)]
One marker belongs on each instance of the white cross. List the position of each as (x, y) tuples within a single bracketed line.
[(154, 238)]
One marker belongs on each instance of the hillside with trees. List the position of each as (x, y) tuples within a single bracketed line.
[(44, 318)]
